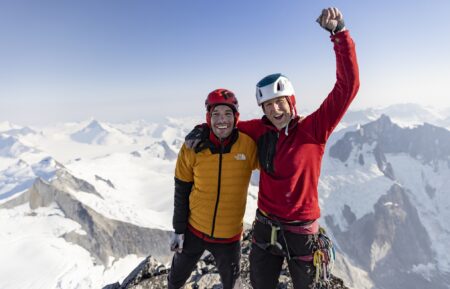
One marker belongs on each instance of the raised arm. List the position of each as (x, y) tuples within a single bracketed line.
[(333, 108)]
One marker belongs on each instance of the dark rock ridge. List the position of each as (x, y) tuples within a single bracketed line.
[(427, 143), (150, 274), (108, 182), (389, 243)]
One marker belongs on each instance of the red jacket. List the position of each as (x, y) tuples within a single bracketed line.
[(290, 164)]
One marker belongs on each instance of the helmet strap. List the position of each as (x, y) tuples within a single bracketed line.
[(293, 111), (292, 108)]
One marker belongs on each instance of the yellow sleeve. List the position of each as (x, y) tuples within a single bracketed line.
[(255, 161), (251, 150), (185, 162)]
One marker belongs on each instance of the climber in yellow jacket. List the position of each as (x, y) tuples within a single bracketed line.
[(211, 186)]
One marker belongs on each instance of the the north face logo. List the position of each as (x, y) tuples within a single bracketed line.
[(240, 157)]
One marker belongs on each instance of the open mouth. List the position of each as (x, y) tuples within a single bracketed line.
[(278, 116), (222, 126)]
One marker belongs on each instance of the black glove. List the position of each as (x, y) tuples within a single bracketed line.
[(198, 137)]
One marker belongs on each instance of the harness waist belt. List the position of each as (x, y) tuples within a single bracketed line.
[(304, 228)]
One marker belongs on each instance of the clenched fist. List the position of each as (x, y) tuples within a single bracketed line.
[(331, 19)]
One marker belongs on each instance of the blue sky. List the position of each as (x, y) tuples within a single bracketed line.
[(124, 60)]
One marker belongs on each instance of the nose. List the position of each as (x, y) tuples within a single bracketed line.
[(275, 107)]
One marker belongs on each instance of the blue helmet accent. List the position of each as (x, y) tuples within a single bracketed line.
[(273, 86), (269, 79)]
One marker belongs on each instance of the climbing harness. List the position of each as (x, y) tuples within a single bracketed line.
[(302, 228), (323, 254)]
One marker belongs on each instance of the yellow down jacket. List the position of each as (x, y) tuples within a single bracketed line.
[(220, 182)]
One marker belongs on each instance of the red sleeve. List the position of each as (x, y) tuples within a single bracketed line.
[(253, 128), (326, 118)]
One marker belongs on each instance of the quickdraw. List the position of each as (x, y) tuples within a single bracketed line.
[(323, 260)]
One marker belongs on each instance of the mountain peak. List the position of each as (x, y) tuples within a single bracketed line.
[(10, 146), (152, 274), (161, 149), (90, 133), (384, 118), (46, 168), (379, 127), (100, 134), (94, 124)]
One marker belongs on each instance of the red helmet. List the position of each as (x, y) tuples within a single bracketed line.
[(218, 97), (221, 96)]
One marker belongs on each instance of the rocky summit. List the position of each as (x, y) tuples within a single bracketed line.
[(150, 274)]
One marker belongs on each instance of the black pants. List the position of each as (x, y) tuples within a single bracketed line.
[(265, 266), (227, 257)]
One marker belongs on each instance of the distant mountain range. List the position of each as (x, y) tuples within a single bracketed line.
[(408, 114), (82, 204)]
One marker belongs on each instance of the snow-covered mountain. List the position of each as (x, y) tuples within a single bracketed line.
[(12, 147), (162, 150), (70, 244), (19, 131), (95, 214), (100, 134), (81, 204), (19, 176), (385, 194)]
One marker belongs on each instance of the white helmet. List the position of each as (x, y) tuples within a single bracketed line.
[(273, 86)]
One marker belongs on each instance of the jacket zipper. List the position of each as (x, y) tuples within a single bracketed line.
[(218, 189)]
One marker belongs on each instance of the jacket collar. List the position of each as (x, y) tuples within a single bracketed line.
[(214, 144)]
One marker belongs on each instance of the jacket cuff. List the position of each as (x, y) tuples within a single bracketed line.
[(340, 37)]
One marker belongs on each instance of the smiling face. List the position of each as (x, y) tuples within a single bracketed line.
[(222, 121), (278, 111)]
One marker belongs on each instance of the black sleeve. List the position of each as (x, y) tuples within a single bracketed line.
[(181, 205)]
